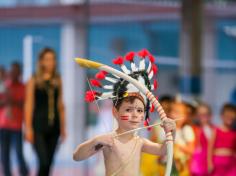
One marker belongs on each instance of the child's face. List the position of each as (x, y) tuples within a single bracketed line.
[(129, 115), (228, 117), (178, 111), (203, 114)]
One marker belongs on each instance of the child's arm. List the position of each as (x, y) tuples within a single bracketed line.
[(92, 146), (159, 149), (154, 148), (210, 149)]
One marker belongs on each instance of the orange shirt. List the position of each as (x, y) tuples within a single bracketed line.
[(11, 116)]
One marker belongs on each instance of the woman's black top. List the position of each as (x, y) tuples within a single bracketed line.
[(46, 114)]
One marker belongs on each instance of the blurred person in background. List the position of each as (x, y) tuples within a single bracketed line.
[(153, 165), (184, 141), (11, 119), (191, 113), (233, 101), (44, 110), (2, 79), (203, 132), (2, 87), (2, 94), (223, 145)]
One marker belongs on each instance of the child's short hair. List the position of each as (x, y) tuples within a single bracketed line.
[(117, 102), (228, 107)]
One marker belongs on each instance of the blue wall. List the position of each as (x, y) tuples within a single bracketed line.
[(11, 41), (225, 44), (106, 41)]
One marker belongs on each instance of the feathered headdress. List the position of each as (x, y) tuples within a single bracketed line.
[(116, 88)]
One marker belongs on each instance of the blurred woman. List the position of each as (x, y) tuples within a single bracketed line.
[(44, 110), (184, 141), (223, 145), (203, 133)]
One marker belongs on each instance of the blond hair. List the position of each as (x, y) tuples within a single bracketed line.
[(39, 81)]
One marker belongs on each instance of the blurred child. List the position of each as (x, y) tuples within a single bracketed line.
[(157, 134), (184, 141), (153, 165), (223, 145), (203, 133)]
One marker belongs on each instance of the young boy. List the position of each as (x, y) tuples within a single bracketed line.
[(122, 153)]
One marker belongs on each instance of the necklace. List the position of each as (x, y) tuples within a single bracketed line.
[(51, 112)]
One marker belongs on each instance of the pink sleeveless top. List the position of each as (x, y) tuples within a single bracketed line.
[(225, 139), (224, 165)]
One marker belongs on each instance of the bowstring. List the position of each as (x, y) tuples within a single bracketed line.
[(96, 102)]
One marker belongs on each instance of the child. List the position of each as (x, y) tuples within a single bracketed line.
[(130, 108), (156, 165), (122, 154), (184, 143), (203, 133), (223, 145)]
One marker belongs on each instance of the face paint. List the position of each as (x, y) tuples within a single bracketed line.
[(124, 117)]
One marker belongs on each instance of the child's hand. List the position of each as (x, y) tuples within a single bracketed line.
[(169, 125), (103, 140)]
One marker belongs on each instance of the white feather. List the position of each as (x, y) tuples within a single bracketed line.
[(152, 87), (150, 75), (106, 95), (133, 67), (113, 80), (125, 70), (149, 67), (142, 64), (108, 87)]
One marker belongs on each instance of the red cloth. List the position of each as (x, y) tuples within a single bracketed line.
[(225, 139), (198, 164), (11, 117), (225, 165)]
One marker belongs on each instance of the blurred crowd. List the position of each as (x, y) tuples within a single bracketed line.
[(201, 147), (37, 107)]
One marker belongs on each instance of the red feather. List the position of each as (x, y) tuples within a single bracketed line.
[(152, 108), (130, 56), (146, 123), (90, 96), (155, 83), (95, 83), (143, 53), (151, 58), (100, 75), (154, 68), (104, 72), (118, 61)]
